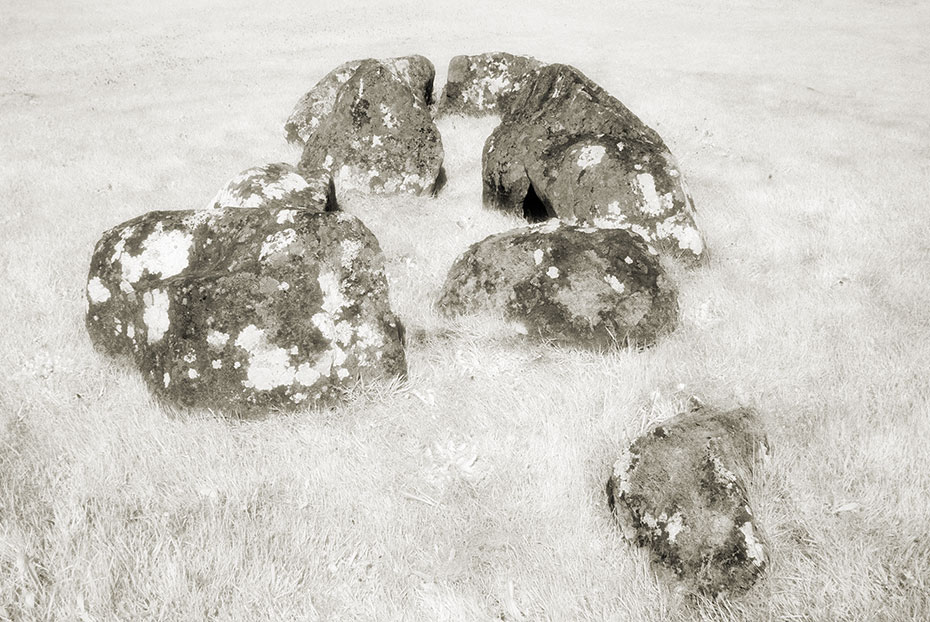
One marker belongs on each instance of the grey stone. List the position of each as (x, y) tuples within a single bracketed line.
[(478, 85), (566, 148), (245, 309), (584, 286), (681, 490)]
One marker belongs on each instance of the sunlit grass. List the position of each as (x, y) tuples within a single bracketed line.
[(474, 490)]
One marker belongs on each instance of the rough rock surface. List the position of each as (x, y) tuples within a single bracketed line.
[(681, 490), (415, 71), (279, 185), (575, 285), (377, 134), (476, 85), (244, 309), (567, 148)]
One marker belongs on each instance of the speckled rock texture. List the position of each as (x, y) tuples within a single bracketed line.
[(370, 126), (477, 85), (681, 490), (416, 72), (584, 286), (279, 186), (566, 148), (245, 309)]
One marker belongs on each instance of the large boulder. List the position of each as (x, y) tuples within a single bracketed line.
[(416, 72), (377, 135), (477, 85), (278, 185), (241, 309), (681, 490), (574, 285), (566, 148)]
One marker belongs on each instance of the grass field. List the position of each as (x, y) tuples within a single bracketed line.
[(475, 490)]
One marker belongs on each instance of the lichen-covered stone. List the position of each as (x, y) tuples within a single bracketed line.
[(476, 85), (415, 71), (377, 134), (566, 148), (241, 309), (681, 490), (583, 286), (279, 186)]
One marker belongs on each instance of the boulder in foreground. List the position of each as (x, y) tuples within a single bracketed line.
[(681, 491), (245, 309), (584, 286)]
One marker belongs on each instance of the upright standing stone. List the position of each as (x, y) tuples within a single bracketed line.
[(478, 85)]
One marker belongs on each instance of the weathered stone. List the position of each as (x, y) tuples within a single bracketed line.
[(476, 85), (566, 148), (575, 285), (379, 137), (279, 186), (681, 490), (416, 72), (242, 309)]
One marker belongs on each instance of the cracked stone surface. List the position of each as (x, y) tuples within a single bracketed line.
[(584, 286), (278, 185), (245, 309), (681, 490), (566, 148), (479, 84), (368, 123)]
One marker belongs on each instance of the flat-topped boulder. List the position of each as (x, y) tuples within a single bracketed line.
[(566, 148), (244, 309), (595, 288), (477, 85), (279, 186), (681, 490), (368, 123)]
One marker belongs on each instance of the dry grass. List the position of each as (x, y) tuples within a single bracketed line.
[(475, 490)]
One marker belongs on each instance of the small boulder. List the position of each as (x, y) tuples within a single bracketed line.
[(476, 85), (566, 148), (241, 309), (583, 286), (378, 135), (279, 186), (681, 490)]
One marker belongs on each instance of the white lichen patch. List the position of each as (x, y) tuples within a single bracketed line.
[(621, 470), (216, 364), (350, 251), (164, 253), (652, 205), (155, 314), (538, 256), (166, 379), (390, 121), (613, 208), (216, 338), (291, 182), (620, 146), (131, 331), (285, 215), (269, 365), (615, 283), (754, 549), (277, 242), (552, 272), (190, 357), (368, 337), (376, 141), (591, 155), (192, 373), (97, 292), (628, 260), (331, 286), (687, 236), (674, 526)]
